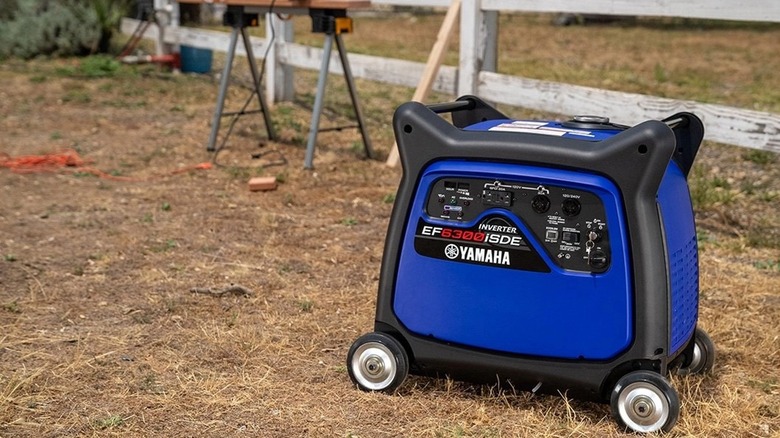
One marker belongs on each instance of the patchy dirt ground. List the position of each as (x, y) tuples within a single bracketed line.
[(101, 334)]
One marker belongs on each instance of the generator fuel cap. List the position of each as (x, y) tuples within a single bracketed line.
[(591, 122), (592, 119)]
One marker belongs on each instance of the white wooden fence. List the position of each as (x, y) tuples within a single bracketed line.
[(475, 73)]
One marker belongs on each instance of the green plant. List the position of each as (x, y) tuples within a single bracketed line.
[(763, 236), (29, 28), (237, 172), (306, 305), (109, 14), (759, 157), (768, 265), (77, 96), (48, 28), (108, 422), (707, 193), (12, 307), (349, 221), (7, 9), (660, 73), (98, 66), (768, 196)]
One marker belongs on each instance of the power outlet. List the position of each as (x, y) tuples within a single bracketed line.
[(498, 198)]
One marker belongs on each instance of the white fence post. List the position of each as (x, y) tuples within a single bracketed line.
[(469, 65), (478, 44), (278, 76), (167, 17), (490, 60)]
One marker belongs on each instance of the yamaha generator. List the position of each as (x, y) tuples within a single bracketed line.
[(555, 256)]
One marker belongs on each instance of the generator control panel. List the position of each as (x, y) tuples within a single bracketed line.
[(569, 223)]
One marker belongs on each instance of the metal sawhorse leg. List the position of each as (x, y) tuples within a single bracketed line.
[(333, 24), (239, 21)]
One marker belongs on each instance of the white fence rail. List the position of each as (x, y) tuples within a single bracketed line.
[(731, 125), (737, 10)]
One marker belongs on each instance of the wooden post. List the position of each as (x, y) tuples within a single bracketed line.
[(435, 60)]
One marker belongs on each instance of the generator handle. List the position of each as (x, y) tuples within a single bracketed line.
[(688, 134), (673, 123), (467, 110), (448, 107)]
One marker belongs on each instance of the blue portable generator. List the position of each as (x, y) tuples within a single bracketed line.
[(554, 256)]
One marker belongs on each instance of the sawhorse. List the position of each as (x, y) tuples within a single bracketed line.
[(238, 20), (331, 22)]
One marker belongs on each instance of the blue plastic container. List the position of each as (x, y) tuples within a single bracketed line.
[(195, 60)]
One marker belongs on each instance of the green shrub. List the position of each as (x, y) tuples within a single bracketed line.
[(7, 9), (48, 28), (30, 28), (109, 15)]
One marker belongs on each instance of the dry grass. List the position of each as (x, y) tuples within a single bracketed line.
[(100, 334)]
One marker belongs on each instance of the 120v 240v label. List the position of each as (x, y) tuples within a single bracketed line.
[(495, 241)]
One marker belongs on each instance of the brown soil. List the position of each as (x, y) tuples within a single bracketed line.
[(101, 334)]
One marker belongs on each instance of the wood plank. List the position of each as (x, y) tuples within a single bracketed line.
[(723, 124), (435, 60), (419, 3)]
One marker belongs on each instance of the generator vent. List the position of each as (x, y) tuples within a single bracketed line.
[(684, 265)]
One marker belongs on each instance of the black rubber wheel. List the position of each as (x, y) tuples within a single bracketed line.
[(703, 355), (377, 362), (645, 402)]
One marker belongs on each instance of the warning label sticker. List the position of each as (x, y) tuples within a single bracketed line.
[(543, 128)]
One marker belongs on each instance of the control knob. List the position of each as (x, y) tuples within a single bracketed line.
[(597, 259)]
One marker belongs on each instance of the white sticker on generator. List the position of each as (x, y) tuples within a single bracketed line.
[(539, 128)]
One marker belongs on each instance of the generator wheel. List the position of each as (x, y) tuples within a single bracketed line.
[(645, 402), (377, 362), (703, 354)]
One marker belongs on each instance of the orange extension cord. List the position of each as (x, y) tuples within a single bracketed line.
[(69, 160)]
